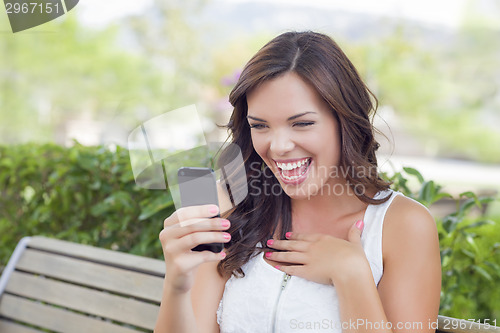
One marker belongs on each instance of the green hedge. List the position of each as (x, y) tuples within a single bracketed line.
[(80, 194), (470, 250), (88, 195)]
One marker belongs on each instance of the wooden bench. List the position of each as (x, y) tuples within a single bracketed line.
[(61, 286), (51, 285)]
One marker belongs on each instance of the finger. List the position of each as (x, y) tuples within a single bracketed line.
[(354, 235), (192, 240), (288, 257), (187, 262), (213, 224), (290, 269), (302, 236), (275, 263), (288, 245), (189, 213)]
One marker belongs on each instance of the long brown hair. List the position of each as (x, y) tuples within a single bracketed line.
[(319, 61)]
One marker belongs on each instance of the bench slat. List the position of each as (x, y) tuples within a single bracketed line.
[(55, 319), (92, 274), (11, 327), (95, 302), (130, 261)]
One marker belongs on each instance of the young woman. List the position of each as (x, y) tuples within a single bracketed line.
[(320, 244)]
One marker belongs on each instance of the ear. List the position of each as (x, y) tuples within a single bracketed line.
[(354, 235)]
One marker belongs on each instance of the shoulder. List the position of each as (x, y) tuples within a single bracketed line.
[(408, 224), (405, 213), (407, 208)]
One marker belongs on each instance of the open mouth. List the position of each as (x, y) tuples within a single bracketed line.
[(294, 172)]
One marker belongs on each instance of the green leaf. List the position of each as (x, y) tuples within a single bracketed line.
[(445, 261), (472, 243), (481, 271), (468, 253), (496, 267), (442, 195), (414, 172), (155, 206), (427, 192), (467, 205), (471, 195), (478, 224)]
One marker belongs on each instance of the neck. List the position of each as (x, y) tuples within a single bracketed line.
[(334, 210), (327, 204)]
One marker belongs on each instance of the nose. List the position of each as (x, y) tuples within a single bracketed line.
[(281, 143)]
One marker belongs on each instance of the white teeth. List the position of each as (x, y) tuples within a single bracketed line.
[(293, 177), (291, 166)]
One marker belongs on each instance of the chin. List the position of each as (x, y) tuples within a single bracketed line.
[(304, 191)]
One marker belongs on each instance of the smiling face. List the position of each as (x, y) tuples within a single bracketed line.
[(295, 133)]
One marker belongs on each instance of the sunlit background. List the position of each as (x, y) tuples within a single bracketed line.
[(97, 72)]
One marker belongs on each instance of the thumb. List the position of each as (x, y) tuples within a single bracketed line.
[(354, 235)]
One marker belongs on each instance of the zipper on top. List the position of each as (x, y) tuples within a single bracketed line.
[(285, 280)]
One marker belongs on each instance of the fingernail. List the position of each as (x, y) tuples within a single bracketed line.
[(213, 210), (288, 235), (360, 225), (270, 242), (268, 255), (227, 236), (223, 255), (277, 266), (225, 223)]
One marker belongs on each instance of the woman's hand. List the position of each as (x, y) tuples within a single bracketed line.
[(186, 228), (320, 258)]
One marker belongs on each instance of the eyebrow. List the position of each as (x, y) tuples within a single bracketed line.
[(291, 118)]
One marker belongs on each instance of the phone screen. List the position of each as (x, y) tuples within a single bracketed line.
[(198, 186)]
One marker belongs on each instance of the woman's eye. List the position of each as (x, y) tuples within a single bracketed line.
[(304, 123), (257, 126)]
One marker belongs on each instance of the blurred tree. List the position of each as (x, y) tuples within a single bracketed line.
[(169, 36), (445, 90), (60, 71)]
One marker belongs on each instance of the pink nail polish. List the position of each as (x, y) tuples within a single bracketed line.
[(288, 235), (270, 242), (227, 236), (277, 267), (268, 255), (360, 225), (213, 210)]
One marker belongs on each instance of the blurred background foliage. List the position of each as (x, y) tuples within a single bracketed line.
[(444, 90), (67, 80)]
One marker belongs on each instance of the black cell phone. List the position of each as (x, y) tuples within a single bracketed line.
[(198, 186)]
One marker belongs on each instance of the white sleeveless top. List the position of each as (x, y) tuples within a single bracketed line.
[(268, 300)]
